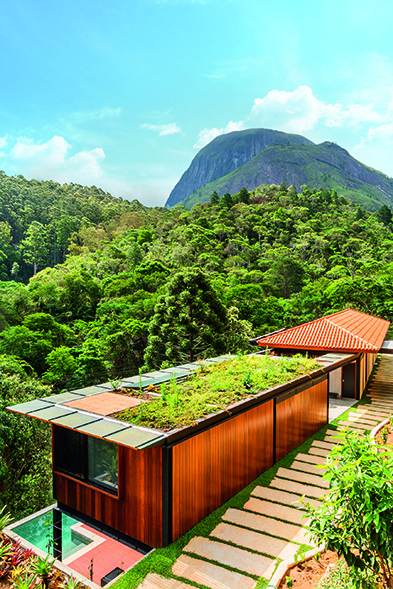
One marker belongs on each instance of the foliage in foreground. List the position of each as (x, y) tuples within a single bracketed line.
[(356, 518), (215, 387)]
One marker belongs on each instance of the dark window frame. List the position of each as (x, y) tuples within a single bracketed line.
[(84, 462)]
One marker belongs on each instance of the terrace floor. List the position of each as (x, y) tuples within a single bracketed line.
[(104, 554), (249, 543)]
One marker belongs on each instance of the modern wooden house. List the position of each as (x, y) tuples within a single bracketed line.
[(147, 486), (347, 331)]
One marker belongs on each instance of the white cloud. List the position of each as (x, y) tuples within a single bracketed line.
[(300, 111), (50, 160), (83, 116), (3, 141), (207, 135), (162, 130)]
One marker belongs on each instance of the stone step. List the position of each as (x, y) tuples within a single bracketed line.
[(333, 440), (309, 468), (259, 542), (356, 418), (268, 525), (154, 581), (319, 452), (210, 575), (369, 416), (237, 558), (352, 426), (288, 514), (277, 496), (322, 444), (298, 488), (379, 413), (300, 477), (311, 458)]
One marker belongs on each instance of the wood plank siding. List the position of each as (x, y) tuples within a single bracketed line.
[(137, 511), (214, 465), (300, 416)]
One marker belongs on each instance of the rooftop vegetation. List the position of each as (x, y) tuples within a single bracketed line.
[(214, 388)]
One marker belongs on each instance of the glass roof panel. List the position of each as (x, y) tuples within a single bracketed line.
[(149, 381), (154, 374), (77, 419), (30, 406), (90, 390), (133, 437), (51, 412), (178, 371), (102, 428), (63, 397)]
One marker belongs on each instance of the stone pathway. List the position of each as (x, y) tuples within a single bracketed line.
[(250, 542)]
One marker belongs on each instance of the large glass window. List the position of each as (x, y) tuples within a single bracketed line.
[(84, 457), (102, 462)]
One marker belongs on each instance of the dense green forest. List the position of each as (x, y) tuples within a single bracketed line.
[(120, 287)]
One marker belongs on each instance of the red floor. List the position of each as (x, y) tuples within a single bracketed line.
[(107, 556)]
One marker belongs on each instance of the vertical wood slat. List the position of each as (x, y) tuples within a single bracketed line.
[(138, 511), (299, 417), (216, 464)]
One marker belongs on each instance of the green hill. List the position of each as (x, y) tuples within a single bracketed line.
[(326, 166)]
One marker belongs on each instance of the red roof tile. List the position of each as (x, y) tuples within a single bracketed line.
[(345, 331)]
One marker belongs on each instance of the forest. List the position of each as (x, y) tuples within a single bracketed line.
[(93, 288)]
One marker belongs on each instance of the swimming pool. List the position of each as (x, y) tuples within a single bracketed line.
[(39, 532)]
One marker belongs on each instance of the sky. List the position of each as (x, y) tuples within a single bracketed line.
[(123, 94)]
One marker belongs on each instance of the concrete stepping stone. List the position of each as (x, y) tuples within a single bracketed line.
[(322, 444), (237, 558), (369, 416), (293, 475), (290, 499), (288, 514), (363, 421), (256, 541), (268, 525), (154, 581), (350, 425), (311, 458), (293, 487), (319, 452), (334, 432), (210, 575), (309, 468), (379, 413), (333, 440), (382, 405)]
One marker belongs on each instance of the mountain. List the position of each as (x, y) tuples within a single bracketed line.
[(225, 154), (296, 161)]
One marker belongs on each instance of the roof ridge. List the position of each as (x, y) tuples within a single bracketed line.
[(350, 332)]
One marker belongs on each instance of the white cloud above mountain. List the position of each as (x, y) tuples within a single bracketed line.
[(162, 130)]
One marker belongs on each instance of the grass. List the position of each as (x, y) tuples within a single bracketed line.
[(215, 387)]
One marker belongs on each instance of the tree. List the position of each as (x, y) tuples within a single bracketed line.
[(190, 321), (244, 196), (356, 517), (36, 246), (25, 465), (384, 215), (214, 198)]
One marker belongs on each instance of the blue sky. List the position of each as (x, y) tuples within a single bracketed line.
[(122, 94)]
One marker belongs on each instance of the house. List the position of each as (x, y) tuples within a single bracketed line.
[(347, 331), (146, 486)]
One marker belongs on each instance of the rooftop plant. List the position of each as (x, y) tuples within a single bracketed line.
[(215, 387)]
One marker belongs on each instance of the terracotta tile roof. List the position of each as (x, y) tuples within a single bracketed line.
[(345, 331)]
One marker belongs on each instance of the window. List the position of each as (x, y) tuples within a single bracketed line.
[(90, 459)]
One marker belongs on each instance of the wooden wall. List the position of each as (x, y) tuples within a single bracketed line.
[(138, 510), (300, 416), (216, 464)]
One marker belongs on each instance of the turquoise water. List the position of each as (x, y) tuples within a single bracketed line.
[(39, 532)]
